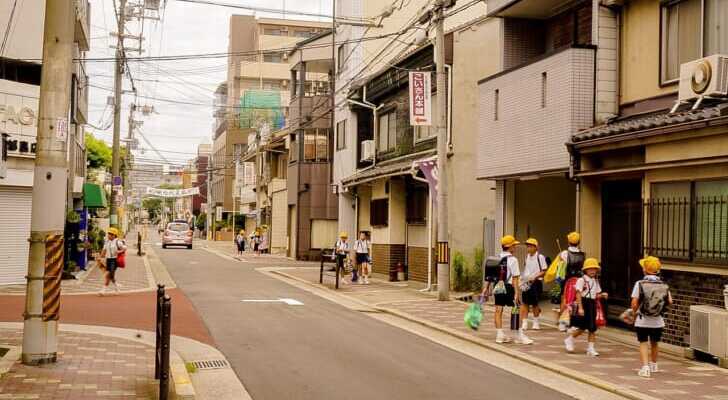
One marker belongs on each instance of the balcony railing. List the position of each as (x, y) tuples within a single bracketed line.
[(83, 18), (688, 230)]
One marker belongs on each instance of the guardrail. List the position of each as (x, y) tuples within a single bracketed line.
[(161, 360)]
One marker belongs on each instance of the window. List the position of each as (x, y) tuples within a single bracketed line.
[(691, 29), (426, 132), (387, 131), (274, 31), (340, 58), (341, 135), (303, 34), (316, 145), (689, 221), (379, 212), (417, 205), (273, 57)]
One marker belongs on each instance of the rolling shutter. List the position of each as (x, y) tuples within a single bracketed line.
[(15, 208)]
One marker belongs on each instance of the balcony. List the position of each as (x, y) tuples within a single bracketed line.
[(247, 195), (532, 110), (310, 111), (266, 70), (82, 31), (530, 9)]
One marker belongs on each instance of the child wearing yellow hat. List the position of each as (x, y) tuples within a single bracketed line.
[(588, 291), (573, 258), (342, 250), (508, 277), (650, 298)]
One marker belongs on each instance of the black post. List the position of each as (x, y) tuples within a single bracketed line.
[(139, 244), (321, 272), (166, 344), (158, 330), (338, 267)]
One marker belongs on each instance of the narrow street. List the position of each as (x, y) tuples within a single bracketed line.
[(322, 350)]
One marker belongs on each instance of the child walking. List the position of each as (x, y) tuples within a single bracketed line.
[(588, 292), (650, 298), (532, 285), (342, 250), (361, 247)]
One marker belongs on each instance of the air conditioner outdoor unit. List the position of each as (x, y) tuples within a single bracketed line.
[(367, 150), (709, 331), (704, 77)]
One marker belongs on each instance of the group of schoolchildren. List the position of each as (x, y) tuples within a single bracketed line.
[(581, 294), (258, 242), (361, 270)]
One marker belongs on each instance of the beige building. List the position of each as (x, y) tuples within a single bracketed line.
[(654, 181)]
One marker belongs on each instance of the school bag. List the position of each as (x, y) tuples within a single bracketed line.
[(496, 270), (574, 263), (653, 297)]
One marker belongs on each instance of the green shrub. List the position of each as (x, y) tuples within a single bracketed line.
[(458, 263), (476, 276)]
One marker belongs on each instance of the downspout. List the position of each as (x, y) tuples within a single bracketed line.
[(448, 68), (573, 167), (429, 234)]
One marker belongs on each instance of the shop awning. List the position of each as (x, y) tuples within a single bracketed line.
[(93, 196)]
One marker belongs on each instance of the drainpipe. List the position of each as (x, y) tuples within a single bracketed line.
[(375, 110), (448, 68), (573, 167)]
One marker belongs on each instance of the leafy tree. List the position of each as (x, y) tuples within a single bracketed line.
[(98, 153), (154, 206), (201, 221)]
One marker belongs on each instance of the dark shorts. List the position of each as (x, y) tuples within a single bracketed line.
[(587, 322), (362, 258), (241, 246), (531, 296), (111, 267), (256, 246), (506, 299), (653, 335)]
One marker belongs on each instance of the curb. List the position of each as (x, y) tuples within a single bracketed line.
[(583, 378), (7, 361)]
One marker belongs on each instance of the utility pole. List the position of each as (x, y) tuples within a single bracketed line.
[(129, 146), (443, 260), (45, 261), (209, 198), (115, 155)]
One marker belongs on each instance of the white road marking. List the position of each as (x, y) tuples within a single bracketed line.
[(290, 302), (158, 243), (194, 262)]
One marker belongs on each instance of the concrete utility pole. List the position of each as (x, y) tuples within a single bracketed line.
[(45, 261), (208, 221), (443, 258), (115, 155)]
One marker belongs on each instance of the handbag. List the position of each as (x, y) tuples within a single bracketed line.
[(515, 319), (601, 317), (121, 260)]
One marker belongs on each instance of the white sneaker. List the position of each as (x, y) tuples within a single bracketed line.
[(592, 353), (569, 343), (502, 339), (523, 339), (562, 327), (103, 291), (535, 326), (644, 371), (366, 281), (653, 367)]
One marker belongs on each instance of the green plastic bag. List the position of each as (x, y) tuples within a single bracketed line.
[(474, 315)]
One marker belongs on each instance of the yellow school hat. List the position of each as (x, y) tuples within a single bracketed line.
[(651, 265), (344, 235), (590, 263), (573, 238), (113, 231), (509, 241), (532, 242)]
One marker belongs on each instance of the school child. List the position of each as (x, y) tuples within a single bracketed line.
[(650, 298), (507, 291), (342, 250), (588, 292), (574, 259), (532, 285)]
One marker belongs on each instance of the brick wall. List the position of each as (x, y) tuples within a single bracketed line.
[(689, 289), (385, 255)]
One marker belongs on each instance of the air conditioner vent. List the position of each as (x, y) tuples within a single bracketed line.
[(704, 77), (367, 150)]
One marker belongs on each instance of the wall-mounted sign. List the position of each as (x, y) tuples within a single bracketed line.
[(21, 115), (20, 145), (420, 98), (173, 192)]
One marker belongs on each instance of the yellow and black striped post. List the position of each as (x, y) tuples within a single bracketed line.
[(443, 253), (52, 277)]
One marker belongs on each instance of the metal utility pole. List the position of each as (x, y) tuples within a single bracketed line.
[(443, 258), (45, 261), (115, 155)]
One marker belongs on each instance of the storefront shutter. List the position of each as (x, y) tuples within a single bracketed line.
[(15, 209)]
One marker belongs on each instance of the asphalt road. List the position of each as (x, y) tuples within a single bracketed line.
[(321, 350)]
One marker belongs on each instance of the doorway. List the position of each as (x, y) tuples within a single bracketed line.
[(621, 240)]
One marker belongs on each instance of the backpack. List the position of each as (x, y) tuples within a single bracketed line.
[(574, 263), (653, 298), (496, 269)]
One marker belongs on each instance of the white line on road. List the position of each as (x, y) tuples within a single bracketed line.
[(290, 302)]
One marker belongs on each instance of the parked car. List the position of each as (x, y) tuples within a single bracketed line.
[(177, 234)]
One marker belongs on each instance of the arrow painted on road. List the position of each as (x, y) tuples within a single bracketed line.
[(290, 302)]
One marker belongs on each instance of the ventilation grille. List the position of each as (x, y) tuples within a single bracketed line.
[(699, 329), (210, 364)]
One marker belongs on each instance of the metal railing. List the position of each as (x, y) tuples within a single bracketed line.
[(690, 229), (161, 360)]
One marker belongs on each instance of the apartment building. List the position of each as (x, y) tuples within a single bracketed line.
[(256, 93), (654, 180), (19, 94), (199, 179)]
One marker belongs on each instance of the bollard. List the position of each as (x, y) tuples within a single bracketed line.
[(158, 329), (139, 244), (166, 344)]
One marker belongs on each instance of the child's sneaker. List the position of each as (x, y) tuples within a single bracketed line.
[(502, 338), (535, 325), (592, 353), (569, 343), (644, 372), (562, 326), (523, 339), (653, 367)]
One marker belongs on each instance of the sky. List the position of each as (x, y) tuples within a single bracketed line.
[(185, 28)]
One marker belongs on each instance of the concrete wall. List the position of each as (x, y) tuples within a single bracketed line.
[(640, 52)]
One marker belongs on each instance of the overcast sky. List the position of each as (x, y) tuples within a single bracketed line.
[(186, 28)]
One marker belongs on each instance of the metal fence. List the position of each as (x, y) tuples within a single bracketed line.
[(689, 229)]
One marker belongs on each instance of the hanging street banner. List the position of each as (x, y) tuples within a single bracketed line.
[(429, 169), (420, 98), (193, 191)]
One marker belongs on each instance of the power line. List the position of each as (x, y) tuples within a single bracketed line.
[(271, 10), (7, 28)]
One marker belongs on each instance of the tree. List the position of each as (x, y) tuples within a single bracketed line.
[(98, 153), (153, 205)]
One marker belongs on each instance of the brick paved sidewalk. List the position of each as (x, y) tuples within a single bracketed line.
[(616, 367), (90, 366), (136, 276)]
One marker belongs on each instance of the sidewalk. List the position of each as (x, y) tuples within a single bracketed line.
[(227, 249), (615, 370)]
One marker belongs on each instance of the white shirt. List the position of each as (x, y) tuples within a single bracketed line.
[(565, 254), (646, 321), (512, 263), (588, 287), (362, 246), (534, 265), (113, 247), (342, 246)]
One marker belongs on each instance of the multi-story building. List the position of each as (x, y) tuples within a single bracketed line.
[(558, 76), (654, 179), (257, 91), (19, 94), (199, 179)]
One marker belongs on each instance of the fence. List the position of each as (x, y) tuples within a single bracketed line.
[(161, 361), (689, 229)]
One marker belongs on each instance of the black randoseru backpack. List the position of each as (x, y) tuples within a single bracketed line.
[(574, 263), (653, 298), (496, 269)]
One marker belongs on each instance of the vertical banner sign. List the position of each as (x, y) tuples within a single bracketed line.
[(429, 169), (420, 98), (52, 277)]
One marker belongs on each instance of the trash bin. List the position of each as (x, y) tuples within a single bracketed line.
[(393, 272)]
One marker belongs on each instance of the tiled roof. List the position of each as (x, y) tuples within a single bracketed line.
[(658, 119), (385, 169)]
